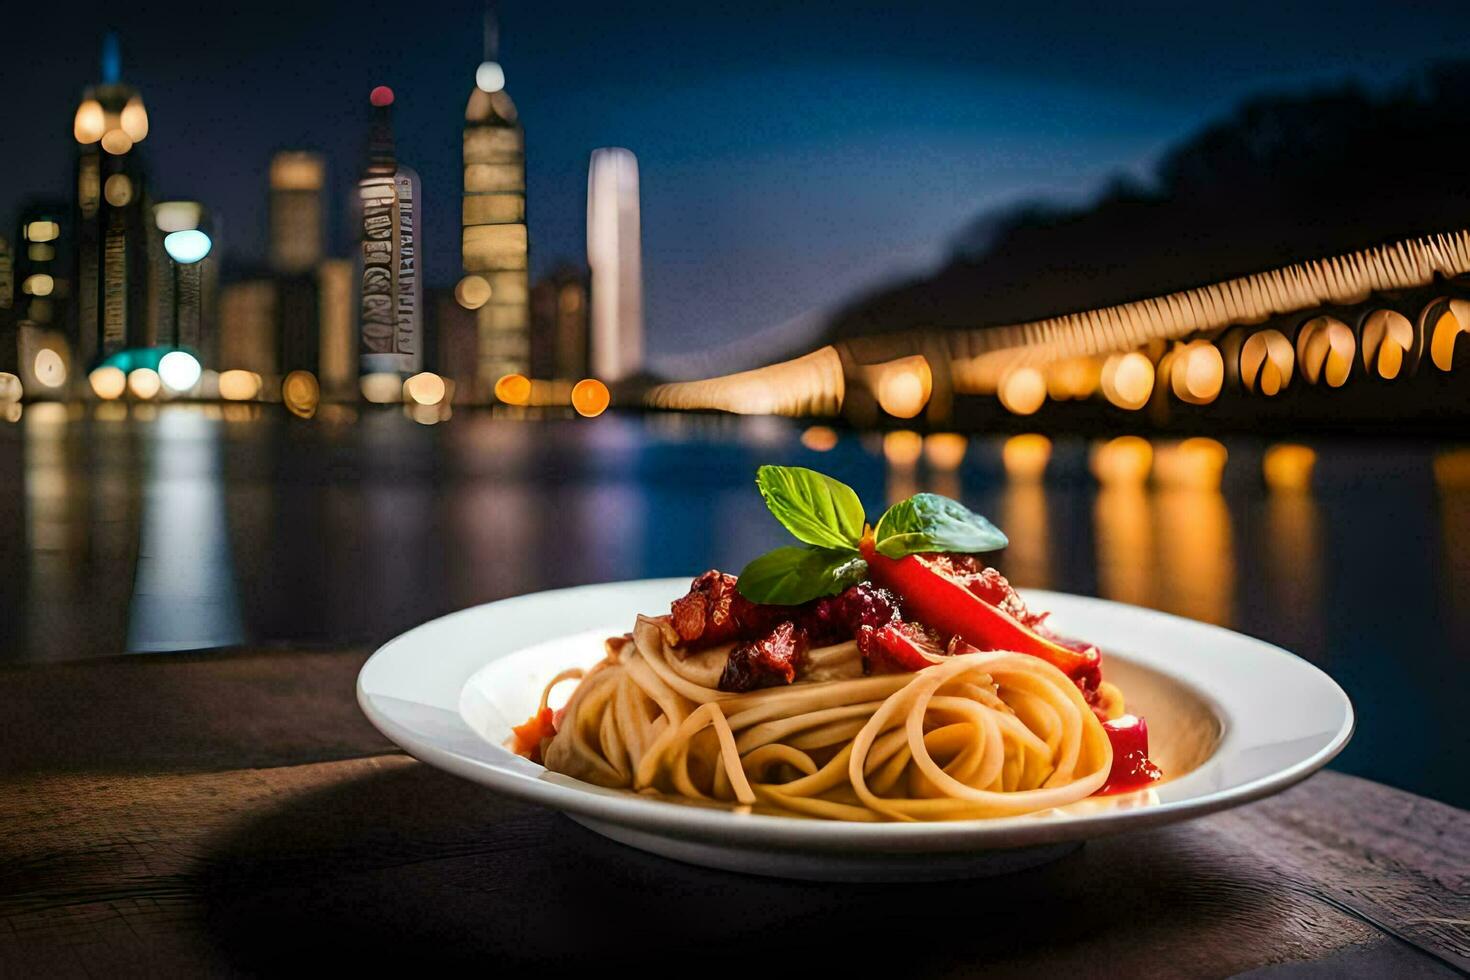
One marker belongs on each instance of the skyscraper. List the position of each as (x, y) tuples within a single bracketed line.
[(43, 324), (113, 226), (559, 324), (390, 318), (296, 223), (615, 254), (495, 244)]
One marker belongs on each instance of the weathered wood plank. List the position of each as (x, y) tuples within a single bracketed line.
[(383, 861), (185, 711)]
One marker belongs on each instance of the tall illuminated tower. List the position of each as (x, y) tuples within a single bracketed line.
[(296, 222), (391, 297), (615, 255), (495, 245), (113, 225)]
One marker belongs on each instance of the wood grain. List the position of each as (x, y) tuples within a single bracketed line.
[(234, 814), (185, 711), (383, 861)]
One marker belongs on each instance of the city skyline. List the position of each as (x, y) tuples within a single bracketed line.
[(724, 257)]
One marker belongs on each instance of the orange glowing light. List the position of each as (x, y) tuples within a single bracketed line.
[(1023, 390), (116, 142), (1194, 464), (144, 383), (238, 386), (426, 388), (902, 448), (904, 387), (1125, 460), (1288, 467), (108, 382), (1127, 380), (819, 438), (301, 393), (514, 389), (1198, 373), (590, 397), (1025, 456), (90, 122), (945, 450), (1267, 362)]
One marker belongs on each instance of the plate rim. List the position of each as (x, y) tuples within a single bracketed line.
[(771, 831)]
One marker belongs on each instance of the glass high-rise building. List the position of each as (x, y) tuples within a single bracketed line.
[(495, 244), (114, 230), (296, 217), (615, 255)]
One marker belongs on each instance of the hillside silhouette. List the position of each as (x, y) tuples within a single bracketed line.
[(1282, 179)]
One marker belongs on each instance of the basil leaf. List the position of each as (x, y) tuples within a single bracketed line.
[(817, 509), (792, 575), (929, 522)]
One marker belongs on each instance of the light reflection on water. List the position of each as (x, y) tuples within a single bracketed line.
[(199, 528)]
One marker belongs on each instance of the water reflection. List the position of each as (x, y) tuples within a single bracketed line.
[(184, 586), (243, 524)]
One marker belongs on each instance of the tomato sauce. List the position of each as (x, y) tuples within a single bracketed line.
[(1131, 766)]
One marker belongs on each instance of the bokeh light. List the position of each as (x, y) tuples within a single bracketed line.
[(239, 386), (1267, 362), (108, 382), (945, 450), (1023, 390), (489, 77), (1026, 456), (381, 387), (301, 393), (1198, 373), (590, 397), (11, 390), (425, 388), (179, 370), (1325, 347), (819, 438), (1127, 380), (1288, 467), (1194, 464), (144, 383), (513, 389), (1122, 461), (902, 448), (904, 387), (188, 246), (49, 368)]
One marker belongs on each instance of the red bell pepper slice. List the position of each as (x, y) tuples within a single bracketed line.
[(937, 600)]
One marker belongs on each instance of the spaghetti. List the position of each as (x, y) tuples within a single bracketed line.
[(876, 673), (977, 735)]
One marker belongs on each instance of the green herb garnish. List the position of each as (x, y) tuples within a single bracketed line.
[(929, 522), (827, 516)]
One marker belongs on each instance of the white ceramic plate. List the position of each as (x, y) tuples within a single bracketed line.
[(1231, 719)]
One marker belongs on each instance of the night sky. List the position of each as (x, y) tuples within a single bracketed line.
[(791, 155)]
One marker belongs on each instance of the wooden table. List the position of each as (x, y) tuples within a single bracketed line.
[(234, 814)]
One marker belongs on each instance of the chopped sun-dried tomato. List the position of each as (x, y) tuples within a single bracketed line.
[(838, 618), (766, 662), (712, 612)]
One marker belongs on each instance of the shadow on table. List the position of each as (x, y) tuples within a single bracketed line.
[(415, 868)]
